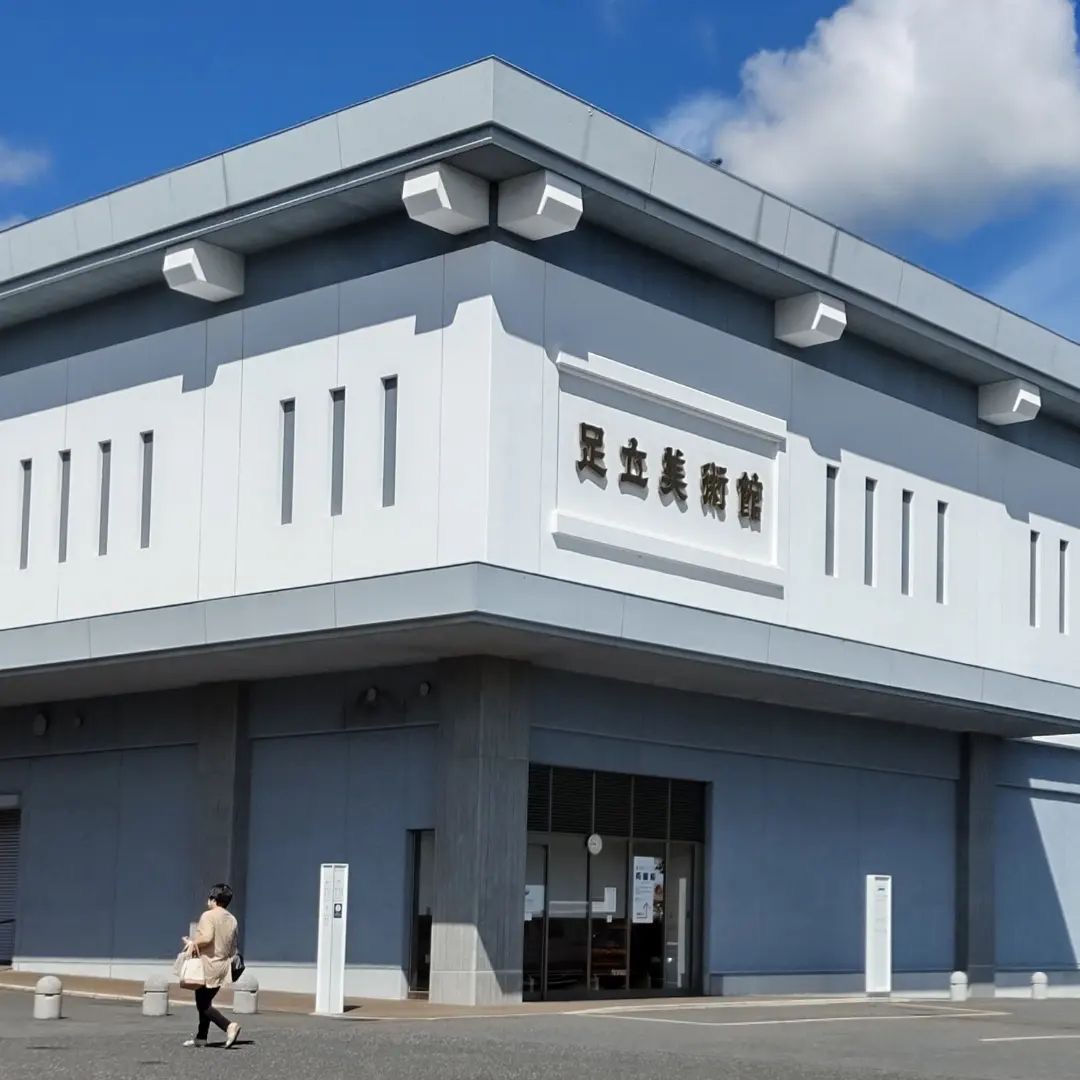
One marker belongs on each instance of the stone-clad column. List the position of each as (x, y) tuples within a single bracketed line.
[(480, 832), (224, 790), (975, 872)]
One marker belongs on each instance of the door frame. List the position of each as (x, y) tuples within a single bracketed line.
[(694, 984)]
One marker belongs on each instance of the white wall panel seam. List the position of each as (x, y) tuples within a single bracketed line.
[(205, 392)]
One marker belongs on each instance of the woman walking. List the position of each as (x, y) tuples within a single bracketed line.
[(215, 944)]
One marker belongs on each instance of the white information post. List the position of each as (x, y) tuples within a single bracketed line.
[(878, 935), (333, 915)]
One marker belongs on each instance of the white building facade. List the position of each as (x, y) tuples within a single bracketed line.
[(450, 480)]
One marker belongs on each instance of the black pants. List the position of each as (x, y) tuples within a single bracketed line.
[(204, 1002)]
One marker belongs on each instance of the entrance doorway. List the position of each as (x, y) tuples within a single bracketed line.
[(423, 877), (619, 917), (9, 870)]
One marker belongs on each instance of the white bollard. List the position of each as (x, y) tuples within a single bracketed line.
[(1040, 986), (246, 994), (155, 996), (48, 998), (958, 986)]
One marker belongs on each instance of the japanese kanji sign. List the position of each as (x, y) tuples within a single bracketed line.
[(672, 484)]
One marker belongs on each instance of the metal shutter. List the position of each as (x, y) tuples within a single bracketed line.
[(9, 867), (687, 810), (650, 808), (613, 794), (571, 801), (539, 798)]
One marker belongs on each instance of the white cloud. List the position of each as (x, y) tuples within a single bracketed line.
[(926, 113), (19, 166), (1043, 284), (693, 124)]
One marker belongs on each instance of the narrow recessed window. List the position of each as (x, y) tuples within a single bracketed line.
[(389, 462), (830, 519), (65, 502), (1033, 580), (288, 451), (105, 483), (1063, 587), (905, 542), (942, 551), (147, 487), (869, 540), (337, 451), (24, 517)]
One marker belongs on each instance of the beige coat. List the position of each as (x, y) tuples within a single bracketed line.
[(218, 928)]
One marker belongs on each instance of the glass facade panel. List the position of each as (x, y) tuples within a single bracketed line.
[(647, 926), (568, 923), (535, 942), (624, 920), (607, 892), (680, 885)]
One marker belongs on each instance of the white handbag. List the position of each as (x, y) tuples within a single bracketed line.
[(191, 971)]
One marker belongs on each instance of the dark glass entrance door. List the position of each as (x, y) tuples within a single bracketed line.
[(535, 937), (623, 919), (423, 852)]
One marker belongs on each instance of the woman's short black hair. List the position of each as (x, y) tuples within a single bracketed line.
[(221, 894)]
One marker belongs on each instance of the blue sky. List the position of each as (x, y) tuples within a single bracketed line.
[(948, 130)]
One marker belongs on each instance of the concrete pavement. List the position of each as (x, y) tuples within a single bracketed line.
[(840, 1039)]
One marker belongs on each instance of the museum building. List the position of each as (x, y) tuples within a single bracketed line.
[(612, 563)]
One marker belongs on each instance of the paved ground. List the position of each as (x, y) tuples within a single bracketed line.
[(721, 1040)]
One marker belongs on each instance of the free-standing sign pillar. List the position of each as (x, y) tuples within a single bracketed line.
[(333, 912), (878, 934)]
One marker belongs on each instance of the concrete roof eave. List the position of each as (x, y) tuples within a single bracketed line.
[(473, 609), (499, 120)]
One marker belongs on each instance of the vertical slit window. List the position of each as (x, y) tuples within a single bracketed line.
[(1063, 587), (288, 454), (24, 517), (337, 451), (830, 519), (65, 502), (1033, 580), (389, 462), (905, 543), (105, 454), (147, 487), (942, 551), (869, 540)]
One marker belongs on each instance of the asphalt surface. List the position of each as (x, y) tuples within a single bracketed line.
[(839, 1040)]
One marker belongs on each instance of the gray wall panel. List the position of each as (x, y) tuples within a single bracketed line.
[(653, 716), (298, 794), (1038, 872), (783, 827), (329, 798), (155, 856), (106, 858), (67, 885)]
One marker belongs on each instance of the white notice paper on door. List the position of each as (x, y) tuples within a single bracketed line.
[(534, 900), (644, 888)]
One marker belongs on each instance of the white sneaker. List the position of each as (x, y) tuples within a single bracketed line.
[(231, 1033), (201, 1043)]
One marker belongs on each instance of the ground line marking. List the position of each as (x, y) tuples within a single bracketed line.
[(799, 1020), (771, 1003), (1029, 1038)]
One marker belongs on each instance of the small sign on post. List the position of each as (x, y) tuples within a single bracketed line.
[(330, 965), (878, 935)]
